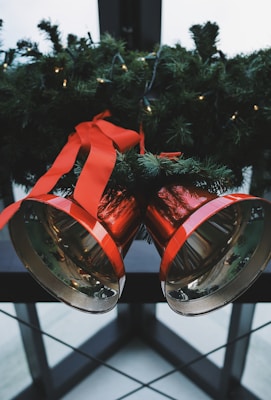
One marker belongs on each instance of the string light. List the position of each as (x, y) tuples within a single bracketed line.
[(58, 69), (149, 110), (147, 105), (234, 116), (118, 58), (103, 80), (124, 67), (145, 102), (65, 82), (100, 80), (151, 56), (90, 39), (5, 66)]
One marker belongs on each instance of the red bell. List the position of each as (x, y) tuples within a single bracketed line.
[(77, 258), (75, 247), (213, 248)]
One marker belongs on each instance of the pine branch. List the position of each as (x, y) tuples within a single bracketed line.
[(205, 38), (53, 34), (197, 102)]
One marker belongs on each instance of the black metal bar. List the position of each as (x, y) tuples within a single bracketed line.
[(30, 393), (35, 350), (204, 373), (179, 353), (236, 353), (109, 17), (142, 279), (150, 24), (137, 22), (6, 191), (107, 341), (77, 365), (140, 320)]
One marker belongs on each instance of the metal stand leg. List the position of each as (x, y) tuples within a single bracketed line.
[(138, 320), (35, 350), (52, 383), (220, 383), (235, 357)]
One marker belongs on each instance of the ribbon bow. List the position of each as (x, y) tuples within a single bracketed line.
[(101, 138)]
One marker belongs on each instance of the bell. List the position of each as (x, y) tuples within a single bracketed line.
[(212, 248), (75, 257)]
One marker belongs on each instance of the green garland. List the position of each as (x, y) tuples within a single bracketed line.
[(215, 110)]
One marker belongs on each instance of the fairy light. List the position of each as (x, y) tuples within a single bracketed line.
[(201, 97), (5, 66), (256, 107), (147, 105), (103, 81), (58, 69), (151, 56), (234, 116), (65, 82), (124, 67), (118, 59), (148, 109)]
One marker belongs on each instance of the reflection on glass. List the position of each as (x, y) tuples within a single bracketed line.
[(55, 318), (14, 371)]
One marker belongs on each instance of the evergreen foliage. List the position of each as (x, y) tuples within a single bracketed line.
[(213, 109)]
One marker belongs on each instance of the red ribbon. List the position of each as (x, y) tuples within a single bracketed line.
[(173, 155), (101, 138), (141, 140)]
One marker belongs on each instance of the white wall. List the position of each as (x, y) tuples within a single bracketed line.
[(22, 16), (244, 24)]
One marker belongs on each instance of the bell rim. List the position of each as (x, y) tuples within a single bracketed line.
[(50, 282), (74, 210), (197, 218), (209, 303)]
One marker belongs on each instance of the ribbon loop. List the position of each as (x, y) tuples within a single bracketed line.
[(100, 138)]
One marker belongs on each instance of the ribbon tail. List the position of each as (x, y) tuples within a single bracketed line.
[(141, 140), (92, 181), (8, 213), (102, 136), (62, 164)]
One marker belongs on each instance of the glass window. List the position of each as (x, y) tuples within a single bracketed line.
[(203, 332), (14, 371), (4, 234), (77, 17), (257, 371), (69, 325), (236, 33)]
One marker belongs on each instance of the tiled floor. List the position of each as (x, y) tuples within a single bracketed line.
[(144, 364), (136, 359), (140, 363)]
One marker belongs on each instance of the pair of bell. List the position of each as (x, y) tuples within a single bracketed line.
[(212, 248)]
